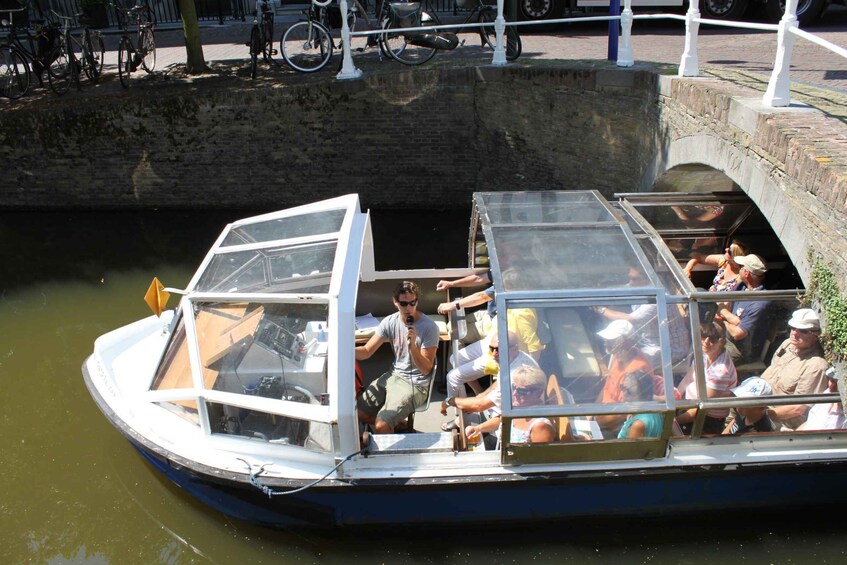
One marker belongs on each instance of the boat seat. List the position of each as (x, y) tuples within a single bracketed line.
[(425, 406)]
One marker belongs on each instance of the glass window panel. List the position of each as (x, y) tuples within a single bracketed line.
[(305, 225), (270, 428), (544, 208), (272, 350), (703, 215), (563, 258), (174, 370), (303, 268), (591, 349)]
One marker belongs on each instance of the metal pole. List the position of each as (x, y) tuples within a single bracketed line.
[(614, 28)]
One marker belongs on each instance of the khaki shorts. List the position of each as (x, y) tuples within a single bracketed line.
[(391, 398)]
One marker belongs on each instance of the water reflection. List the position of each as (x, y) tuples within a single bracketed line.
[(74, 491)]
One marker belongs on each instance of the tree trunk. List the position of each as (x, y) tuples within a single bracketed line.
[(195, 63)]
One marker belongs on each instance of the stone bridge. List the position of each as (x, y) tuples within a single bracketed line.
[(429, 138)]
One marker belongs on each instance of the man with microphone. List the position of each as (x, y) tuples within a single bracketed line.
[(395, 395)]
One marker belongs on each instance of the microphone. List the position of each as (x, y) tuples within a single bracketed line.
[(410, 321)]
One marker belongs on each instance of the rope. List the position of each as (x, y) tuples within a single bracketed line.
[(254, 477)]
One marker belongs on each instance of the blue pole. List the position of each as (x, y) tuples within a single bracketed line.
[(614, 28)]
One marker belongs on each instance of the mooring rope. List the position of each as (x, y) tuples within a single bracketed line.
[(254, 477)]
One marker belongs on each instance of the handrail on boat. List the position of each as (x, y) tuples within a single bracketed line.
[(779, 85)]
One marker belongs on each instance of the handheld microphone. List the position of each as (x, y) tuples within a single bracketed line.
[(410, 321)]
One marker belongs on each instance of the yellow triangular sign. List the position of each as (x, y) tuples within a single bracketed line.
[(156, 297)]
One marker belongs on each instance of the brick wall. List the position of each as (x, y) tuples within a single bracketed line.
[(426, 137)]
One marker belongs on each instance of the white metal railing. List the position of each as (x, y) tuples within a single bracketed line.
[(779, 85)]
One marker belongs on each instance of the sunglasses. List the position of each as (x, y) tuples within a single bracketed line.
[(712, 338), (526, 391), (799, 331), (409, 303), (494, 348)]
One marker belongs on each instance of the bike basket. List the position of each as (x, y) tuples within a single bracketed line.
[(406, 14)]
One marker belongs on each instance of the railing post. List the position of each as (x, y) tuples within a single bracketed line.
[(348, 69), (689, 66), (625, 58), (778, 92), (500, 30)]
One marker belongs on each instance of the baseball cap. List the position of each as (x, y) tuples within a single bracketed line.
[(754, 386), (805, 319), (618, 328), (753, 263)]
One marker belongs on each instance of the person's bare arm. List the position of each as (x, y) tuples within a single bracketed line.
[(365, 351), (636, 429), (474, 299), (476, 279)]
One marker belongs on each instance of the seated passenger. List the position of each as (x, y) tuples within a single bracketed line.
[(621, 345), (478, 321), (751, 418), (720, 378), (746, 322), (797, 367), (644, 319), (459, 399), (523, 322), (529, 388), (828, 416), (637, 386), (728, 276), (391, 398)]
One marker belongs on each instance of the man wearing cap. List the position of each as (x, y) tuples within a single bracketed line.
[(797, 367), (746, 322), (751, 418)]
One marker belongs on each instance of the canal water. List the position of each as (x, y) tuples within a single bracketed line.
[(72, 490)]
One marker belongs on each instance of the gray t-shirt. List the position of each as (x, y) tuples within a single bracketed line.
[(392, 329)]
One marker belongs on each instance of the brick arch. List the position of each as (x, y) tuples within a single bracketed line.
[(765, 184)]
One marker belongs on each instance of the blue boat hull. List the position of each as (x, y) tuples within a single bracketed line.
[(518, 499)]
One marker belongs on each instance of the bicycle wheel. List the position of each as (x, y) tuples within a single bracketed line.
[(14, 73), (255, 48), (92, 60), (125, 54), (306, 46), (60, 69), (400, 49), (514, 45), (148, 49)]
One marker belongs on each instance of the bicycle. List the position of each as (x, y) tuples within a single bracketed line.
[(485, 12), (19, 60), (131, 57), (261, 36), (307, 45), (86, 52)]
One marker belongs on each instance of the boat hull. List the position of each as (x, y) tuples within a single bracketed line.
[(520, 498)]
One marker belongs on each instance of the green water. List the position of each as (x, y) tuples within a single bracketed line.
[(72, 489)]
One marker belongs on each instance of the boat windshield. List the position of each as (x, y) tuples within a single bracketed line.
[(257, 323)]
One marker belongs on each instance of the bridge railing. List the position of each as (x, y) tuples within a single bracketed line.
[(779, 86)]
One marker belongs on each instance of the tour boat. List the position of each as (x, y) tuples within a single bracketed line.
[(244, 393)]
